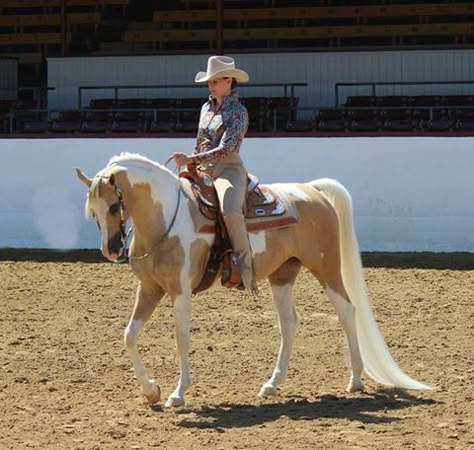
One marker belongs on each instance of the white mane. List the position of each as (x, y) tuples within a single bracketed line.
[(127, 161), (135, 159)]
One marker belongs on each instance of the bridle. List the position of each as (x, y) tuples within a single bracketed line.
[(124, 255)]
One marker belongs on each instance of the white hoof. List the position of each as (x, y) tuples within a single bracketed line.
[(174, 402), (355, 385), (155, 393), (268, 391)]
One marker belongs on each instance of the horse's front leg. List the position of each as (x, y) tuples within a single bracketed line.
[(182, 316), (146, 301)]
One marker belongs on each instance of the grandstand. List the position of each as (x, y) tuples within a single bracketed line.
[(44, 36)]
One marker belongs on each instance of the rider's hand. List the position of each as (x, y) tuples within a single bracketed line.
[(182, 159), (205, 144)]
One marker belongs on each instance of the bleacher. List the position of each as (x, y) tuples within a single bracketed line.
[(32, 30), (305, 24), (119, 26), (395, 113), (377, 114), (155, 115)]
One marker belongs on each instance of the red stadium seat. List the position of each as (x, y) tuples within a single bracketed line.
[(365, 125), (396, 114), (392, 100), (162, 127), (332, 114), (187, 126), (130, 103), (100, 116), (300, 125), (160, 102), (102, 103), (95, 126), (189, 103), (424, 100), (126, 126), (458, 100), (36, 126), (362, 114), (65, 116), (439, 125), (465, 125), (361, 100), (401, 125), (464, 113), (332, 125), (188, 116), (128, 115), (66, 126), (7, 105)]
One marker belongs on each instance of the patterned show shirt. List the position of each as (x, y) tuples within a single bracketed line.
[(221, 129)]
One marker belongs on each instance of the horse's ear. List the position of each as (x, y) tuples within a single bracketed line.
[(112, 179), (83, 177)]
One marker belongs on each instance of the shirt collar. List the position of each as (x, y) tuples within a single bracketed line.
[(228, 99)]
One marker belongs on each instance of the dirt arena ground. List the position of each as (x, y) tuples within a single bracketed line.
[(66, 382)]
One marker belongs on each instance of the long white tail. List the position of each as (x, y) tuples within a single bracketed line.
[(378, 362)]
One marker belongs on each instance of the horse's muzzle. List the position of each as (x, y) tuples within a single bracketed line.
[(115, 245)]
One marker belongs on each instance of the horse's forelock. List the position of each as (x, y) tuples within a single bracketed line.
[(93, 193)]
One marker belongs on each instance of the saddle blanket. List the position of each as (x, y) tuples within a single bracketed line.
[(283, 213)]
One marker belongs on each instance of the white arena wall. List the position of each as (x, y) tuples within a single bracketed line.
[(409, 193)]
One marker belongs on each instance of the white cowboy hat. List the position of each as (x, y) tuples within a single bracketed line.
[(221, 67)]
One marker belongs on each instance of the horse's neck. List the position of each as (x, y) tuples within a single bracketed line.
[(163, 192)]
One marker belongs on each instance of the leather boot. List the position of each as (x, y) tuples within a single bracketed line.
[(238, 235)]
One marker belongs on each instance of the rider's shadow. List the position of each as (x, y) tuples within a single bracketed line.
[(363, 409)]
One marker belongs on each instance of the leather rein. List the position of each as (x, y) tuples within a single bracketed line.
[(124, 236)]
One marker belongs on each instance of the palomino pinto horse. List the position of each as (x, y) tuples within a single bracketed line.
[(168, 255)]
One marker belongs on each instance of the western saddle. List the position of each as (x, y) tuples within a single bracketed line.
[(262, 203)]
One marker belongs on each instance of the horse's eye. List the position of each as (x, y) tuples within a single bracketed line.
[(114, 209)]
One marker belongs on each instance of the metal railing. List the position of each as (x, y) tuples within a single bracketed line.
[(268, 122), (374, 85), (116, 89), (270, 118), (430, 109)]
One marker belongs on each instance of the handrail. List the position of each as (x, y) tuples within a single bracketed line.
[(430, 109), (316, 12), (116, 89), (394, 83), (49, 113)]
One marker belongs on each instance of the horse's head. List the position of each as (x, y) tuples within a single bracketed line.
[(105, 204)]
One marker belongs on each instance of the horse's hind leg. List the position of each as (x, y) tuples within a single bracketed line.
[(145, 304), (346, 313), (282, 282), (330, 277)]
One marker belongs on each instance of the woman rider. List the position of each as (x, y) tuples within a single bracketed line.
[(222, 127)]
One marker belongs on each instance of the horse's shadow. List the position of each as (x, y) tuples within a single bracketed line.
[(364, 409)]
